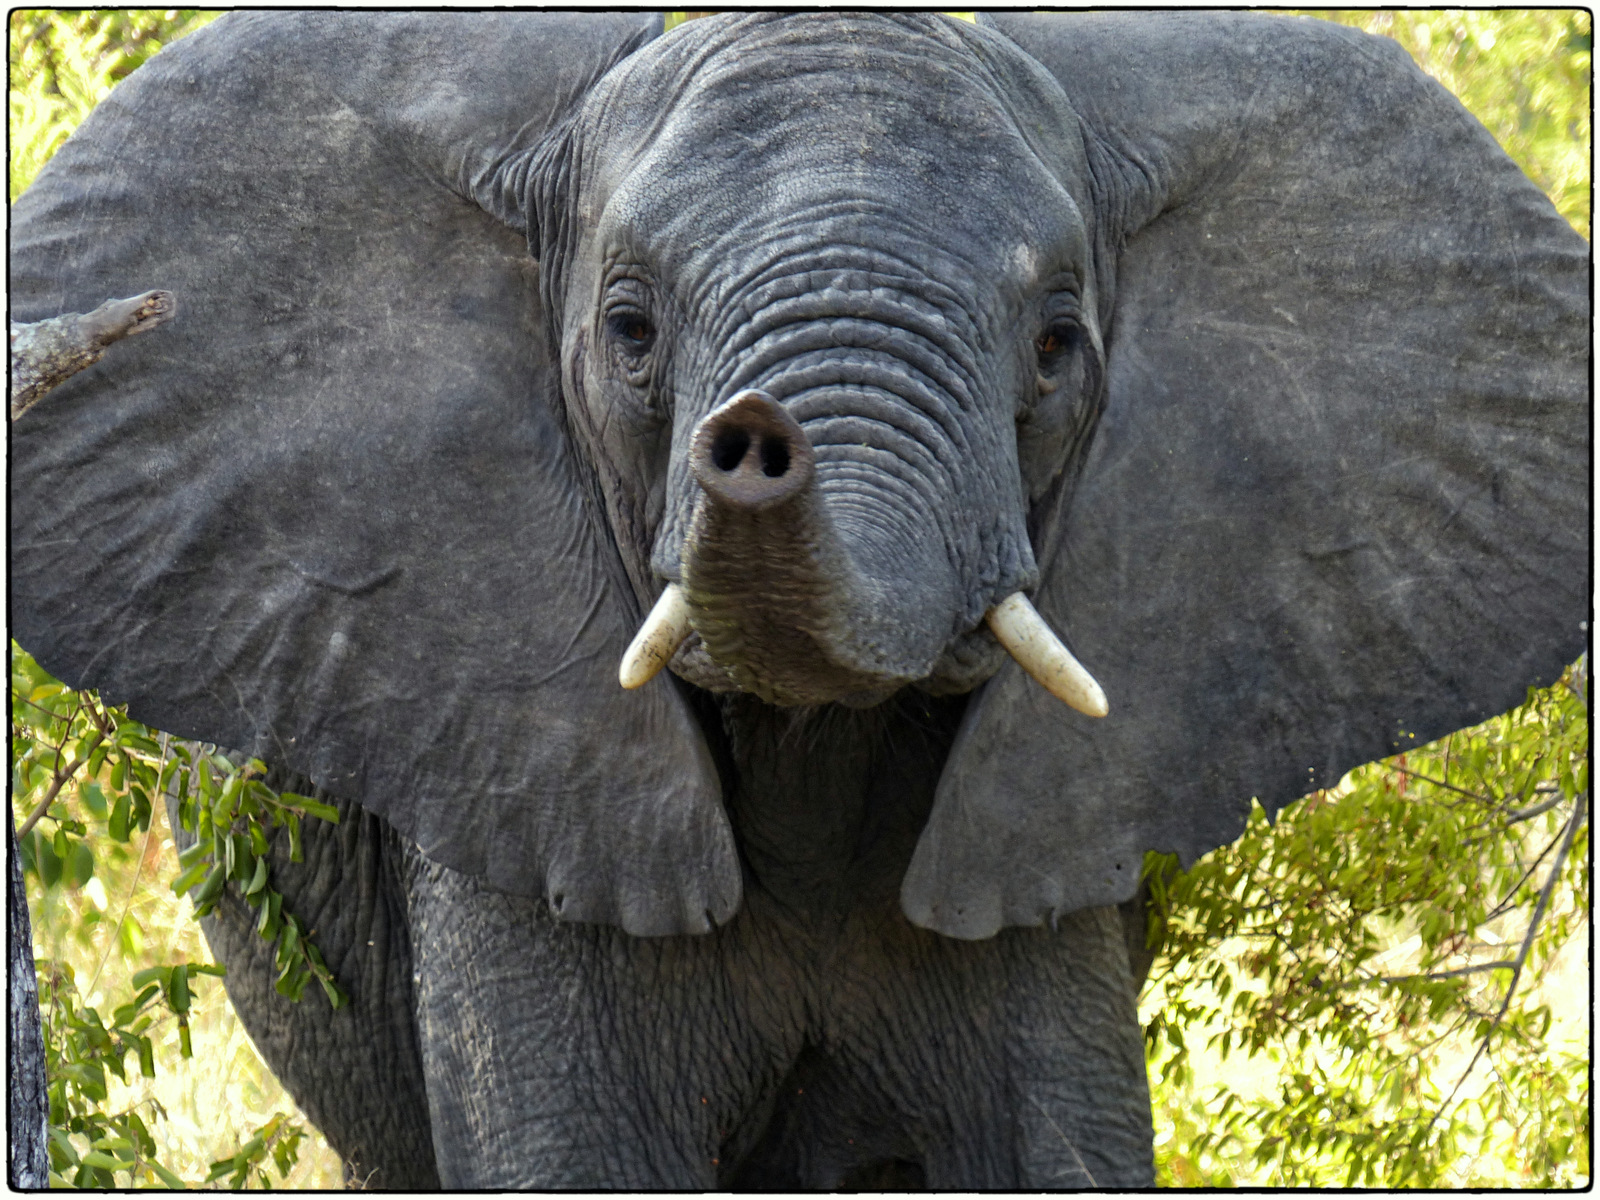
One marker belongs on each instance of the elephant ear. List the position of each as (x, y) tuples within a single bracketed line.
[(330, 515), (1337, 499)]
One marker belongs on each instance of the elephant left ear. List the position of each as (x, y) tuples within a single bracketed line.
[(1338, 499), (330, 515)]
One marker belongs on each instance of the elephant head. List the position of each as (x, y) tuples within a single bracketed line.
[(1235, 344), (800, 387)]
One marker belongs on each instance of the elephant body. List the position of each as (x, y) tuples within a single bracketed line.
[(1216, 371), (818, 1040)]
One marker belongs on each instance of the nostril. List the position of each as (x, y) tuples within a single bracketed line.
[(729, 448), (774, 457), (750, 454)]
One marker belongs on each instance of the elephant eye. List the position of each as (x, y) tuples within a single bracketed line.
[(633, 330), (1059, 340)]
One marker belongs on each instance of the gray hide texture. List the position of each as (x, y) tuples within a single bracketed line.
[(1332, 495)]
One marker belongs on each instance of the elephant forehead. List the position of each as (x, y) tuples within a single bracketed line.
[(842, 123)]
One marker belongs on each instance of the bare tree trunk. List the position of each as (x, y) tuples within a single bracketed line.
[(29, 1103), (45, 353)]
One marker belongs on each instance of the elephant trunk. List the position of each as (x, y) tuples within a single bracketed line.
[(771, 587), (775, 595)]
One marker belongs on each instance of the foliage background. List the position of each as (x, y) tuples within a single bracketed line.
[(1320, 987)]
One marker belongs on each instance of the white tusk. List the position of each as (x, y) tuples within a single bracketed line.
[(658, 639), (1039, 652)]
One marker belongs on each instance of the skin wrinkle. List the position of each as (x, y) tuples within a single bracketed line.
[(790, 269), (743, 290), (843, 431), (825, 321), (933, 344)]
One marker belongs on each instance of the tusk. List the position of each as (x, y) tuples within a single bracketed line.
[(658, 639), (1039, 652)]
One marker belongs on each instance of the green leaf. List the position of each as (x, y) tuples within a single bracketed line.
[(62, 1152), (267, 924), (128, 1011), (258, 880), (97, 760), (141, 809), (160, 975), (190, 876), (82, 864), (315, 808), (212, 887), (222, 811), (336, 997), (178, 993), (166, 1176), (48, 861), (93, 798), (118, 825)]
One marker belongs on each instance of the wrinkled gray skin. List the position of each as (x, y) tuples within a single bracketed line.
[(1231, 340)]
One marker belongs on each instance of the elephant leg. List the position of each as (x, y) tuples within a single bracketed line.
[(568, 1056), (1013, 1062), (356, 1072), (1080, 1094)]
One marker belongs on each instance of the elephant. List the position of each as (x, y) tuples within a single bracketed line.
[(987, 451)]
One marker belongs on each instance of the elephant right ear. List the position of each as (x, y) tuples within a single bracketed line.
[(330, 515), (1338, 495)]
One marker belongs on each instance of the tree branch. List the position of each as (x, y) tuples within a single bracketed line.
[(1410, 774), (1516, 816), (43, 806), (1573, 824), (47, 353)]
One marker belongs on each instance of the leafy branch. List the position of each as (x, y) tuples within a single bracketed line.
[(92, 772), (1284, 945)]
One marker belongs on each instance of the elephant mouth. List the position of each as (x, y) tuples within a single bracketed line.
[(970, 660), (774, 599)]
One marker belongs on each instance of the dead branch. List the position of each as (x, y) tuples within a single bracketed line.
[(47, 353)]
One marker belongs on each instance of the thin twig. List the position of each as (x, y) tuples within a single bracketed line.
[(127, 902), (40, 808), (1524, 950), (1475, 969), (1527, 814), (1481, 799), (66, 732), (1506, 901), (49, 712), (1062, 1135)]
